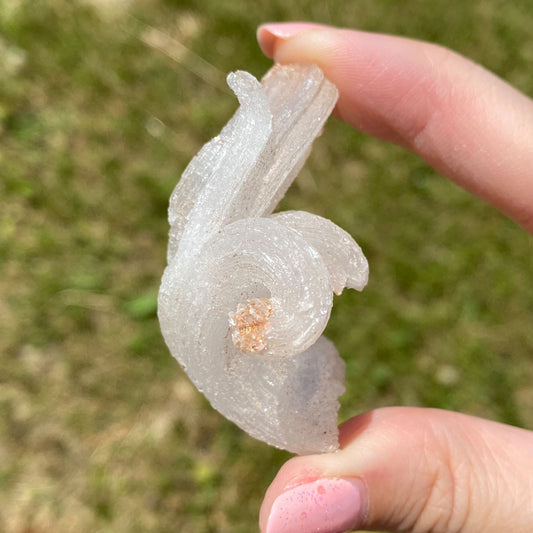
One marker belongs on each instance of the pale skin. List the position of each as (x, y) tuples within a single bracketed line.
[(426, 470)]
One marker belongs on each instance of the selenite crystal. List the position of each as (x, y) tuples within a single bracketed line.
[(246, 294)]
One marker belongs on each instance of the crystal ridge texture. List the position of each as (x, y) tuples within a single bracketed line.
[(246, 293)]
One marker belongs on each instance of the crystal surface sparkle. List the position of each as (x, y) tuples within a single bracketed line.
[(247, 294)]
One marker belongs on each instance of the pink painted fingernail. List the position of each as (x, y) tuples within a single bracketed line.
[(267, 34), (326, 505)]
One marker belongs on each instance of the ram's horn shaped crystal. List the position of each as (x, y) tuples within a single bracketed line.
[(246, 294)]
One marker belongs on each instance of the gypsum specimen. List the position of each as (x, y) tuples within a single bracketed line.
[(246, 294)]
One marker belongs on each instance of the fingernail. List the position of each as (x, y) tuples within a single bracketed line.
[(326, 505), (268, 34)]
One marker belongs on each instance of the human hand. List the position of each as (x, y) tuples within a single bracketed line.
[(409, 469)]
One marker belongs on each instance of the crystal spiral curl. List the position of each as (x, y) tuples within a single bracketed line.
[(247, 294)]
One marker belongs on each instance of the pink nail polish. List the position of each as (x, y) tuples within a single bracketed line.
[(285, 30), (325, 506), (267, 34)]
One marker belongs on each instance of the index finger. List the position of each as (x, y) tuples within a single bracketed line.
[(463, 120)]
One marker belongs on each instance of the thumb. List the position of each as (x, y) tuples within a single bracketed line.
[(409, 469)]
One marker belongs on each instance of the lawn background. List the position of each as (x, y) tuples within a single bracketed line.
[(102, 104)]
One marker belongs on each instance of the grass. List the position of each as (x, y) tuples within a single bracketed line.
[(100, 111)]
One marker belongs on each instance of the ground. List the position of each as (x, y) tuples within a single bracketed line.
[(102, 104)]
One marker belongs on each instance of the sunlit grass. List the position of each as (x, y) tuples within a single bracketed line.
[(99, 428)]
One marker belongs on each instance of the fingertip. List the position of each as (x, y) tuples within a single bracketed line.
[(297, 471), (453, 113), (266, 40), (271, 34), (329, 505)]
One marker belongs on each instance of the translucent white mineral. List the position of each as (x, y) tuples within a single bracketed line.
[(246, 294)]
